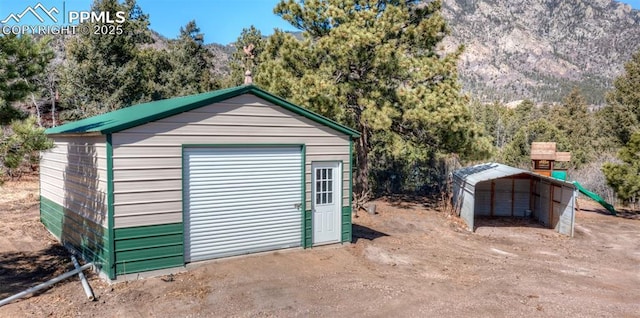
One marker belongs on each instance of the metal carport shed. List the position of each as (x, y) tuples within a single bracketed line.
[(494, 189)]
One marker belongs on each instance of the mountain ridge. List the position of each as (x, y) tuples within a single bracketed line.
[(541, 49)]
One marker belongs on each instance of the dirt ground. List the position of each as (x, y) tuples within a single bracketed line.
[(409, 260)]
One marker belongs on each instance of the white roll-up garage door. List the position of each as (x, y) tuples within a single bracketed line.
[(241, 200)]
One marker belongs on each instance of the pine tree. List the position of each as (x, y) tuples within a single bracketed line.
[(374, 66), (247, 56), (22, 59), (191, 63), (621, 116), (103, 72), (624, 177), (518, 151), (572, 117)]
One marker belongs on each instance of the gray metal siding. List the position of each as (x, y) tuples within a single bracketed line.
[(567, 217), (463, 201), (147, 159), (551, 201), (241, 200), (73, 175), (467, 212), (483, 198), (545, 203), (503, 197), (522, 197)]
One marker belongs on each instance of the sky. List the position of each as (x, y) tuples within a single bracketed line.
[(221, 21)]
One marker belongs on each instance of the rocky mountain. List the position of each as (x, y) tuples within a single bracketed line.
[(541, 49), (524, 49)]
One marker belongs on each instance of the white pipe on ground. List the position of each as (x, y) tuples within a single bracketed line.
[(83, 280), (45, 284)]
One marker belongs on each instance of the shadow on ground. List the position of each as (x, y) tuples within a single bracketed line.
[(21, 270), (363, 232), (506, 221), (406, 201), (623, 213)]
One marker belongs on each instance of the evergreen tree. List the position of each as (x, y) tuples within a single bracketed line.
[(191, 62), (20, 145), (374, 66), (247, 56), (22, 59), (621, 116), (624, 177), (572, 117), (103, 73), (518, 152)]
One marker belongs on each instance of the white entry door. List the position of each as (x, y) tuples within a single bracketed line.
[(326, 202)]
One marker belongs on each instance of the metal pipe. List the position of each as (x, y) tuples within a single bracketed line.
[(83, 280), (45, 284)]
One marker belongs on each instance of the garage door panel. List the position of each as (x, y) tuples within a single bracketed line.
[(204, 185), (229, 249), (231, 236), (231, 219), (241, 200), (244, 173), (246, 224), (207, 203), (243, 212), (255, 193)]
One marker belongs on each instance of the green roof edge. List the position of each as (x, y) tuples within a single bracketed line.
[(224, 94)]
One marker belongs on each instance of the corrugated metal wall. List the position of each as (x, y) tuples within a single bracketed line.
[(567, 217), (241, 200), (463, 200), (522, 197), (73, 199), (544, 188), (516, 196), (510, 198), (482, 198), (503, 190), (73, 175), (147, 159)]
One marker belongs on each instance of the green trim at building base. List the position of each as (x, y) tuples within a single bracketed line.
[(346, 224), (308, 229), (137, 249), (86, 237), (146, 248)]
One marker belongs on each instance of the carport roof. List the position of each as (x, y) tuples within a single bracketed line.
[(489, 171), (140, 114)]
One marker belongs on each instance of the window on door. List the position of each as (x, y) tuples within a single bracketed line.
[(324, 186)]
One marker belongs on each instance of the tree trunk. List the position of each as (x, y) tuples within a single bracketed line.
[(54, 96), (362, 188), (35, 104)]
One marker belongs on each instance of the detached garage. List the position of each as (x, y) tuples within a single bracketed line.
[(218, 174), (494, 189)]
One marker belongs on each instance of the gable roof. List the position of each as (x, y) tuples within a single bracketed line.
[(489, 171), (140, 114)]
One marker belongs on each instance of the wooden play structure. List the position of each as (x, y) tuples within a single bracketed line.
[(543, 158)]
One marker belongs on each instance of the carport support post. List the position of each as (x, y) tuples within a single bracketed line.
[(551, 205)]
